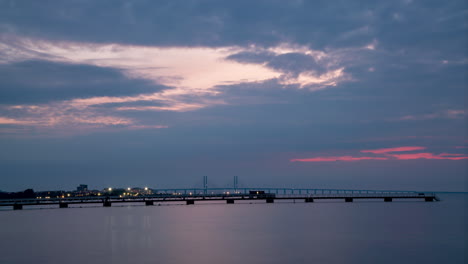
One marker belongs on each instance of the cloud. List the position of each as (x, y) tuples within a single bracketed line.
[(194, 23), (316, 82), (189, 68), (80, 79), (389, 155), (339, 158), (65, 118), (445, 114), (301, 66), (147, 126), (45, 81), (11, 121), (443, 156), (61, 114), (387, 150), (193, 51), (357, 32)]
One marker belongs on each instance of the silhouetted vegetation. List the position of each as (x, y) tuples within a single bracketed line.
[(29, 193)]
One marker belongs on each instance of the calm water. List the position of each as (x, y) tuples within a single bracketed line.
[(321, 232)]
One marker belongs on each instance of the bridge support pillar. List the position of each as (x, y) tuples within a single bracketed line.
[(349, 200), (309, 200), (387, 199), (63, 205), (190, 202), (17, 207), (429, 199), (107, 204), (149, 202), (270, 200), (230, 201)]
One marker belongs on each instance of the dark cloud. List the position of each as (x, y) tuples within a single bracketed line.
[(252, 57), (297, 63), (41, 81), (414, 65), (216, 23)]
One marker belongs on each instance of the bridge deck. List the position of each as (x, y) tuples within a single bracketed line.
[(231, 198)]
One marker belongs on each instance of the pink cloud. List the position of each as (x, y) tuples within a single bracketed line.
[(387, 154), (387, 150), (443, 156), (340, 158), (11, 121)]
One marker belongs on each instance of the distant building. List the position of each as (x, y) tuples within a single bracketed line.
[(82, 188)]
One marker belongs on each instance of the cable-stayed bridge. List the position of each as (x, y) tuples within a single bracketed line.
[(230, 195)]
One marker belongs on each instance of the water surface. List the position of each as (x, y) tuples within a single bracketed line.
[(320, 232)]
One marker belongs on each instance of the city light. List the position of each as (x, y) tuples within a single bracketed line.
[(110, 189), (129, 188), (146, 188)]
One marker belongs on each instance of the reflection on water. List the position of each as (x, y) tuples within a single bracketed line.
[(337, 232)]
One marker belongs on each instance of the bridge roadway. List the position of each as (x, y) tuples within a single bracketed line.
[(230, 197)]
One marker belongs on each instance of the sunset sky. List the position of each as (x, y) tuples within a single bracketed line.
[(313, 94)]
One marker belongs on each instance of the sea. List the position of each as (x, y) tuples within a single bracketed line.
[(212, 232)]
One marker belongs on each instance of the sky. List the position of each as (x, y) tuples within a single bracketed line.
[(300, 94)]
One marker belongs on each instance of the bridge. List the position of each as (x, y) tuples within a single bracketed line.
[(230, 195)]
